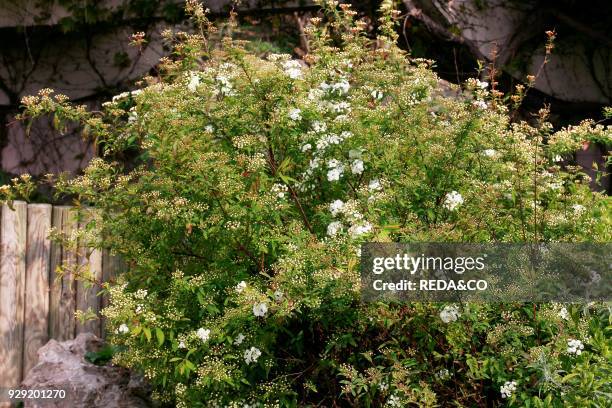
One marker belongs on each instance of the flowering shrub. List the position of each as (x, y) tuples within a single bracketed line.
[(257, 179)]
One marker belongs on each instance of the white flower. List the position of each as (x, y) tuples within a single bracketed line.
[(360, 229), (481, 84), (450, 313), (260, 309), (564, 314), (194, 82), (374, 185), (139, 309), (306, 147), (279, 190), (278, 295), (480, 104), (319, 127), (557, 159), (133, 115), (203, 334), (334, 228), (336, 207), (182, 345), (251, 355), (123, 95), (293, 69), (333, 163), (334, 174), (578, 209), (141, 293), (341, 87), (357, 167), (123, 328), (209, 128), (241, 286), (376, 94), (574, 347), (507, 389), (239, 339), (295, 114), (393, 401), (340, 107), (490, 152), (453, 200), (314, 163)]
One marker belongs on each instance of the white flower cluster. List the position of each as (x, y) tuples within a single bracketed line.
[(226, 87), (374, 185), (335, 170), (358, 225), (575, 347), (334, 228), (223, 79), (453, 200), (339, 107), (293, 69), (331, 139), (480, 104), (357, 165), (481, 84), (450, 313), (241, 286), (260, 309), (507, 389), (280, 190), (490, 153), (123, 329), (126, 94), (359, 229), (319, 127), (394, 401), (203, 334), (239, 339), (194, 81), (578, 209), (295, 114), (251, 355), (336, 207), (564, 314), (341, 87)]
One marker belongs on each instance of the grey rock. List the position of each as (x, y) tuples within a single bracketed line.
[(62, 366)]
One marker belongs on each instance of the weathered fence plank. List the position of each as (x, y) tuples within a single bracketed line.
[(12, 274), (90, 262), (63, 288), (37, 283), (37, 303)]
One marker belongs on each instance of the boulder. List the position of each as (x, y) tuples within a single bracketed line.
[(62, 366)]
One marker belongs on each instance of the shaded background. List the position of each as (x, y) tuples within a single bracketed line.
[(80, 48)]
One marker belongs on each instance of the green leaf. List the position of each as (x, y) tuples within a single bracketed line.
[(147, 333), (160, 336)]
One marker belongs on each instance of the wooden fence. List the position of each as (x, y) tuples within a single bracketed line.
[(37, 304)]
